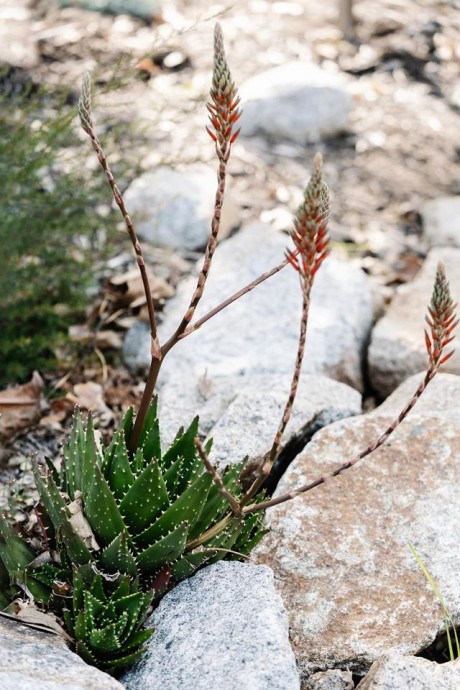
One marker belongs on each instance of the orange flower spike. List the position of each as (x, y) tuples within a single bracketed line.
[(223, 109), (443, 319), (309, 234)]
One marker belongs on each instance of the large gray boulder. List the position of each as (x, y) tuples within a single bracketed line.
[(34, 660), (258, 334), (398, 672), (397, 349), (340, 553), (224, 628), (242, 416), (297, 101), (174, 208)]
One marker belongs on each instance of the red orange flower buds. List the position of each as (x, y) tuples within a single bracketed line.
[(223, 108), (310, 225)]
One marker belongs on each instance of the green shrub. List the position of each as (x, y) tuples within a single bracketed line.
[(49, 232)]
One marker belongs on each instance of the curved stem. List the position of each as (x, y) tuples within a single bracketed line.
[(209, 252), (118, 197), (244, 291), (266, 464), (430, 374)]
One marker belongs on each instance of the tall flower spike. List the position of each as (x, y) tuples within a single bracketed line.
[(223, 108), (310, 225), (441, 320), (311, 248)]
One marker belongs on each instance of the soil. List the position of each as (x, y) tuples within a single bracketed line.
[(403, 146)]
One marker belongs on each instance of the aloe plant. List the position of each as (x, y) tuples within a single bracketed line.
[(122, 528), (145, 510), (106, 627)]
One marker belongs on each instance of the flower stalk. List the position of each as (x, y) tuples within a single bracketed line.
[(224, 112), (86, 120), (442, 321), (310, 248), (310, 239)]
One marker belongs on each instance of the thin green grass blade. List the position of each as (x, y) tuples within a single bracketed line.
[(448, 622)]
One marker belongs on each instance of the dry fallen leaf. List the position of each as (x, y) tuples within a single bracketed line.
[(89, 396), (107, 339), (32, 617), (61, 408), (147, 66), (20, 407), (81, 524), (127, 289), (104, 339)]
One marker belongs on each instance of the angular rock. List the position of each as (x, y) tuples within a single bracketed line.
[(298, 101), (258, 334), (174, 208), (340, 554), (397, 348), (34, 660), (441, 221), (400, 672), (330, 680), (242, 416), (224, 628)]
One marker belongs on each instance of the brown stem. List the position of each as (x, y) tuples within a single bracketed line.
[(210, 533), (88, 126), (233, 298), (163, 351), (235, 506), (117, 195), (430, 374), (209, 253), (147, 395), (268, 460)]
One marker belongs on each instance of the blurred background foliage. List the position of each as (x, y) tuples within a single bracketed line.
[(56, 222)]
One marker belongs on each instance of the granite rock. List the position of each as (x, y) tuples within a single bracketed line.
[(242, 416), (174, 208), (441, 221), (35, 660), (397, 348), (340, 554), (18, 45), (296, 101), (398, 672), (330, 680), (223, 628), (258, 334)]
